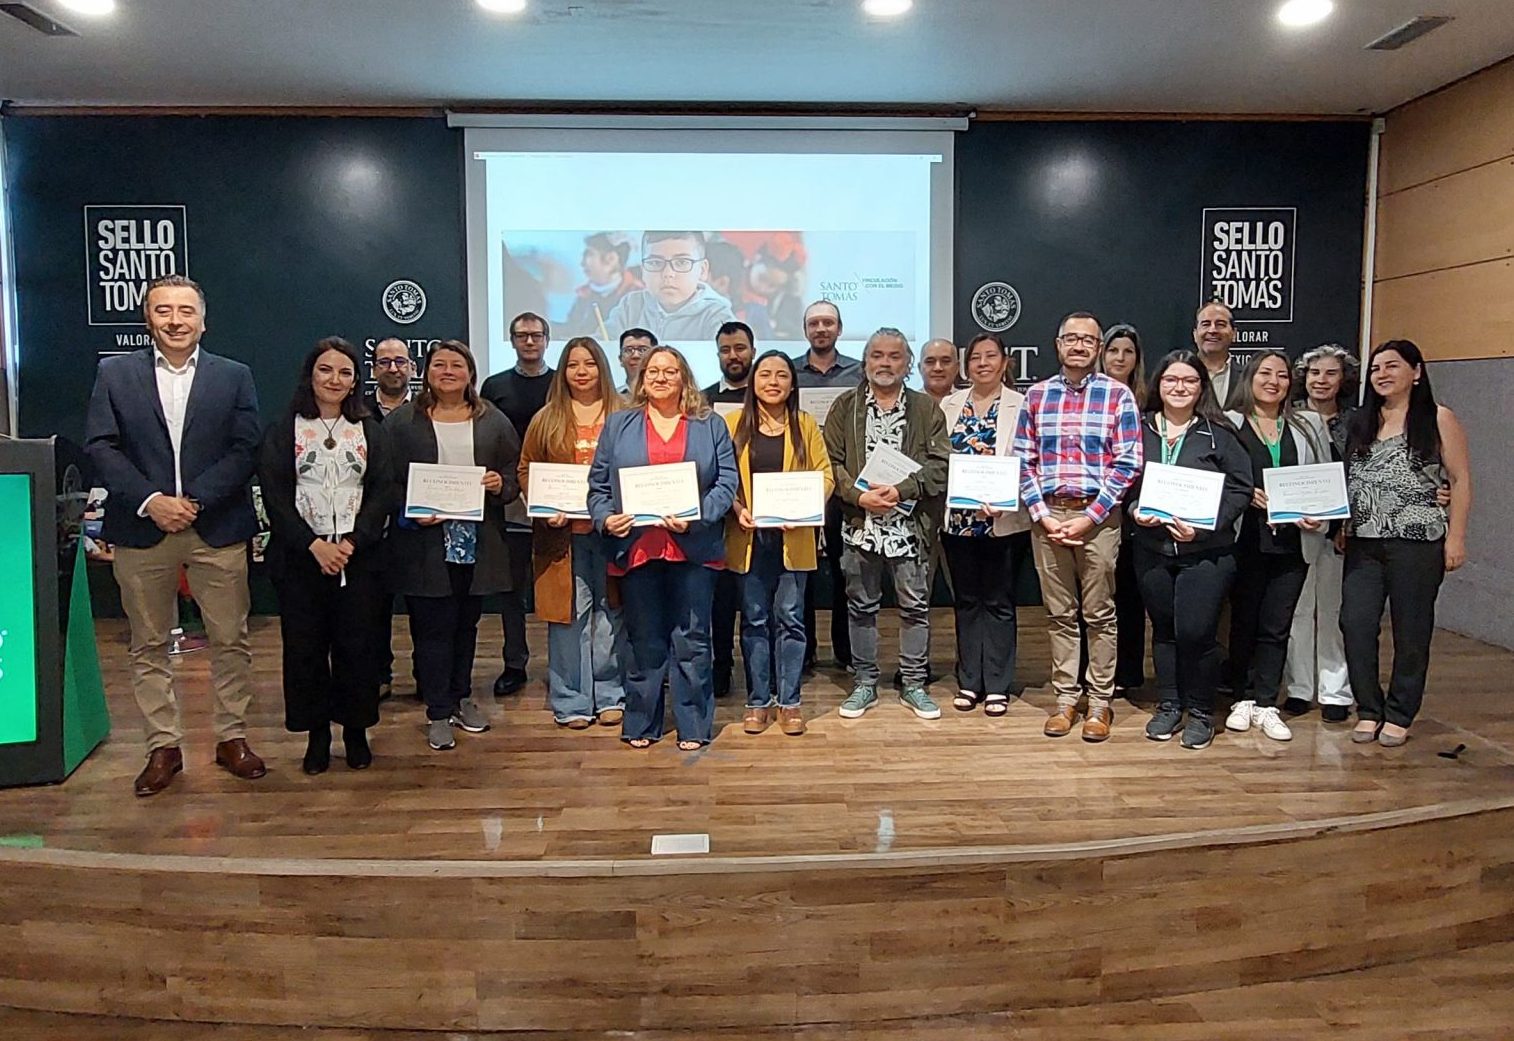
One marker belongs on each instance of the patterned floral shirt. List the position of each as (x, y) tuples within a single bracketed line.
[(329, 481), (1392, 493), (888, 534), (973, 435)]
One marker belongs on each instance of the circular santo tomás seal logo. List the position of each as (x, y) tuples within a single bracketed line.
[(996, 306), (404, 301)]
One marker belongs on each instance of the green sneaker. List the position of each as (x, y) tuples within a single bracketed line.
[(861, 699), (917, 701)]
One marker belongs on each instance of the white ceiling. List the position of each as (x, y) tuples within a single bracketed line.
[(1211, 56)]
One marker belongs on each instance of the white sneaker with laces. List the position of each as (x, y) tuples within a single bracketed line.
[(1241, 717), (1271, 723)]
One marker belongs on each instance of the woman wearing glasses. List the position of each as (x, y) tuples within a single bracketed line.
[(667, 565), (1185, 571), (771, 435)]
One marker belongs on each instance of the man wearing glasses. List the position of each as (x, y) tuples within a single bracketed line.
[(1079, 443), (519, 392), (678, 302), (392, 369), (635, 343)]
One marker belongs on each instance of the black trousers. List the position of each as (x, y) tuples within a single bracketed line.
[(333, 636), (1267, 588), (445, 632), (1407, 575), (986, 573), (512, 611), (841, 634), (1183, 597), (723, 620)]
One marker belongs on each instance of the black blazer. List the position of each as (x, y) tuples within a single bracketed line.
[(126, 438), (291, 536), (1209, 446), (418, 555)]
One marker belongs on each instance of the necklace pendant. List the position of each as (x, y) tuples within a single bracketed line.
[(330, 443)]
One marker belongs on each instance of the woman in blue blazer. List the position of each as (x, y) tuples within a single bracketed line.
[(666, 566)]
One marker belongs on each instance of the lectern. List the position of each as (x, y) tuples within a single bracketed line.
[(52, 700)]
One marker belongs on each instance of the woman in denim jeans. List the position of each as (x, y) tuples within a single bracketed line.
[(771, 435)]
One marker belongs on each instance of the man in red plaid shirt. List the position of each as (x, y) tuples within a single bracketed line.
[(1079, 442)]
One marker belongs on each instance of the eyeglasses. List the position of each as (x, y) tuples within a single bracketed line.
[(1073, 339), (1180, 381), (529, 337), (391, 363), (634, 350), (682, 265)]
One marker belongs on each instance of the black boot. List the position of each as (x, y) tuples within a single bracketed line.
[(359, 755), (318, 749)]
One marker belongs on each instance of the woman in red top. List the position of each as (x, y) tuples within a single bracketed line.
[(668, 563)]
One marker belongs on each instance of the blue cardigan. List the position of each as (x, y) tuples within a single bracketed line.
[(623, 442)]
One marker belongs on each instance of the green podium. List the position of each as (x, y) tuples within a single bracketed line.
[(52, 698)]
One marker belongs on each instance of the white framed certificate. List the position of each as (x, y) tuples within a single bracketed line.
[(817, 401), (444, 492), (974, 482), (553, 488), (650, 493), (885, 466), (796, 498), (1316, 491), (1181, 493)]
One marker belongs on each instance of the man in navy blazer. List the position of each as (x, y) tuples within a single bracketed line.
[(173, 432)]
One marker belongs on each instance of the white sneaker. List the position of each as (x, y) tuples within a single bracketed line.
[(1241, 717), (1272, 724)]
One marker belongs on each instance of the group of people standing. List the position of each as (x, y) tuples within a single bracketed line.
[(631, 608)]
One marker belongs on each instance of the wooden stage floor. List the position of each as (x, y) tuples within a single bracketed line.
[(530, 790), (967, 875)]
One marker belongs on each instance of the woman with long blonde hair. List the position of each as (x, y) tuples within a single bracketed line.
[(585, 642), (667, 567)]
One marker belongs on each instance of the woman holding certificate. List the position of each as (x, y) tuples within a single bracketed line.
[(1272, 559), (448, 549), (585, 644), (324, 472), (770, 537), (1185, 540), (986, 547), (663, 479), (1400, 541)]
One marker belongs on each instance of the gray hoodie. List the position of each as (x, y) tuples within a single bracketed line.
[(697, 319)]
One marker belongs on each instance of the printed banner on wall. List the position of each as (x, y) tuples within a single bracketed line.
[(126, 249), (1248, 261)]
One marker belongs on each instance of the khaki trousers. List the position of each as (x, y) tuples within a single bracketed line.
[(1074, 579), (149, 581)]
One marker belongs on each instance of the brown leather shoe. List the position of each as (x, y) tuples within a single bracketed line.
[(791, 720), (611, 717), (1096, 726), (239, 760), (756, 721), (162, 764), (1059, 724)]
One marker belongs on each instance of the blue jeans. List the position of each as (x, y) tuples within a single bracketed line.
[(584, 657), (667, 617), (772, 626)]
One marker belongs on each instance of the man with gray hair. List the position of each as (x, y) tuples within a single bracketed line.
[(888, 528), (939, 368)]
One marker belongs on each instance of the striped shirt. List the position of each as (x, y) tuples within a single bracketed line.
[(1078, 441)]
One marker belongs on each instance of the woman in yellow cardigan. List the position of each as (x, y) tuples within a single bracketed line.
[(585, 643), (772, 435)]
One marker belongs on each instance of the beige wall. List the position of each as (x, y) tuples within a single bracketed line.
[(1444, 273)]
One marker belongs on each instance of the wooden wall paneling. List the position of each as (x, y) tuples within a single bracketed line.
[(1458, 220), (1465, 125), (1465, 312)]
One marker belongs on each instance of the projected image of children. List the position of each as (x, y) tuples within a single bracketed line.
[(607, 281), (678, 303)]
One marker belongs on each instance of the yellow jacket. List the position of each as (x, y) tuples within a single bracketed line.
[(798, 544)]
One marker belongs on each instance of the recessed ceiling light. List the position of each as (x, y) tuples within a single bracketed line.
[(887, 8), (503, 6), (89, 7), (1299, 13)]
